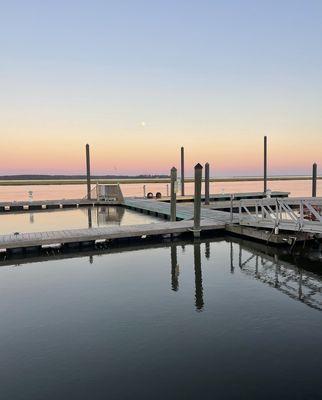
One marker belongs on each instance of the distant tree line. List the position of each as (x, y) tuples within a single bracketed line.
[(55, 177)]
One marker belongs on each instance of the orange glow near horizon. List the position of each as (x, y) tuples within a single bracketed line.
[(147, 154)]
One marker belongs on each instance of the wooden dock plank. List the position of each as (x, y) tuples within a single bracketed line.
[(184, 211), (112, 232)]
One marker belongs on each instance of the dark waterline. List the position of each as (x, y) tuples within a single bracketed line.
[(218, 319)]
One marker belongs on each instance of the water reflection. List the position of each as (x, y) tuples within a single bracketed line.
[(198, 276), (273, 267), (272, 270), (207, 250), (109, 215), (103, 216), (231, 258), (174, 268), (260, 262), (199, 303), (71, 218)]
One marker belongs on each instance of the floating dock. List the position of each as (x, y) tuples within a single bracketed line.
[(276, 220), (222, 197), (99, 235), (183, 211), (12, 206)]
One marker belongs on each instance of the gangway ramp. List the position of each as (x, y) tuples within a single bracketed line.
[(297, 214)]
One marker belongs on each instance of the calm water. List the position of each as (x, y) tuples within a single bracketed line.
[(68, 218), (224, 320), (296, 188)]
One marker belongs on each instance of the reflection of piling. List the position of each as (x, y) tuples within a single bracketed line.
[(276, 283), (240, 258), (300, 285), (207, 177), (88, 172), (197, 200), (173, 194), (174, 268), (89, 216), (198, 277), (231, 258), (207, 250), (265, 164), (182, 171), (314, 178)]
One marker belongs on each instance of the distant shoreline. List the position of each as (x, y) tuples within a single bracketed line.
[(23, 181)]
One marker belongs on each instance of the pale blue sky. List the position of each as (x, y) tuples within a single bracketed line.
[(222, 71)]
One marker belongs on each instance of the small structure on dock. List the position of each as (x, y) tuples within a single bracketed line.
[(109, 193)]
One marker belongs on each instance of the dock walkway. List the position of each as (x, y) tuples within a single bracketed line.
[(7, 206), (79, 236), (184, 211), (220, 197)]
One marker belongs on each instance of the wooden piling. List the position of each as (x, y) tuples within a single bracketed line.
[(197, 200), (173, 216), (265, 164), (314, 179), (182, 171), (88, 172), (231, 208), (207, 183)]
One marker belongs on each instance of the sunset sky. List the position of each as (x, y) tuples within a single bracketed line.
[(138, 79)]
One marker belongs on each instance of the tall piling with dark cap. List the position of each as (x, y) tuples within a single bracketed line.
[(265, 164), (314, 179), (173, 194), (182, 171), (207, 177), (197, 200), (88, 172)]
